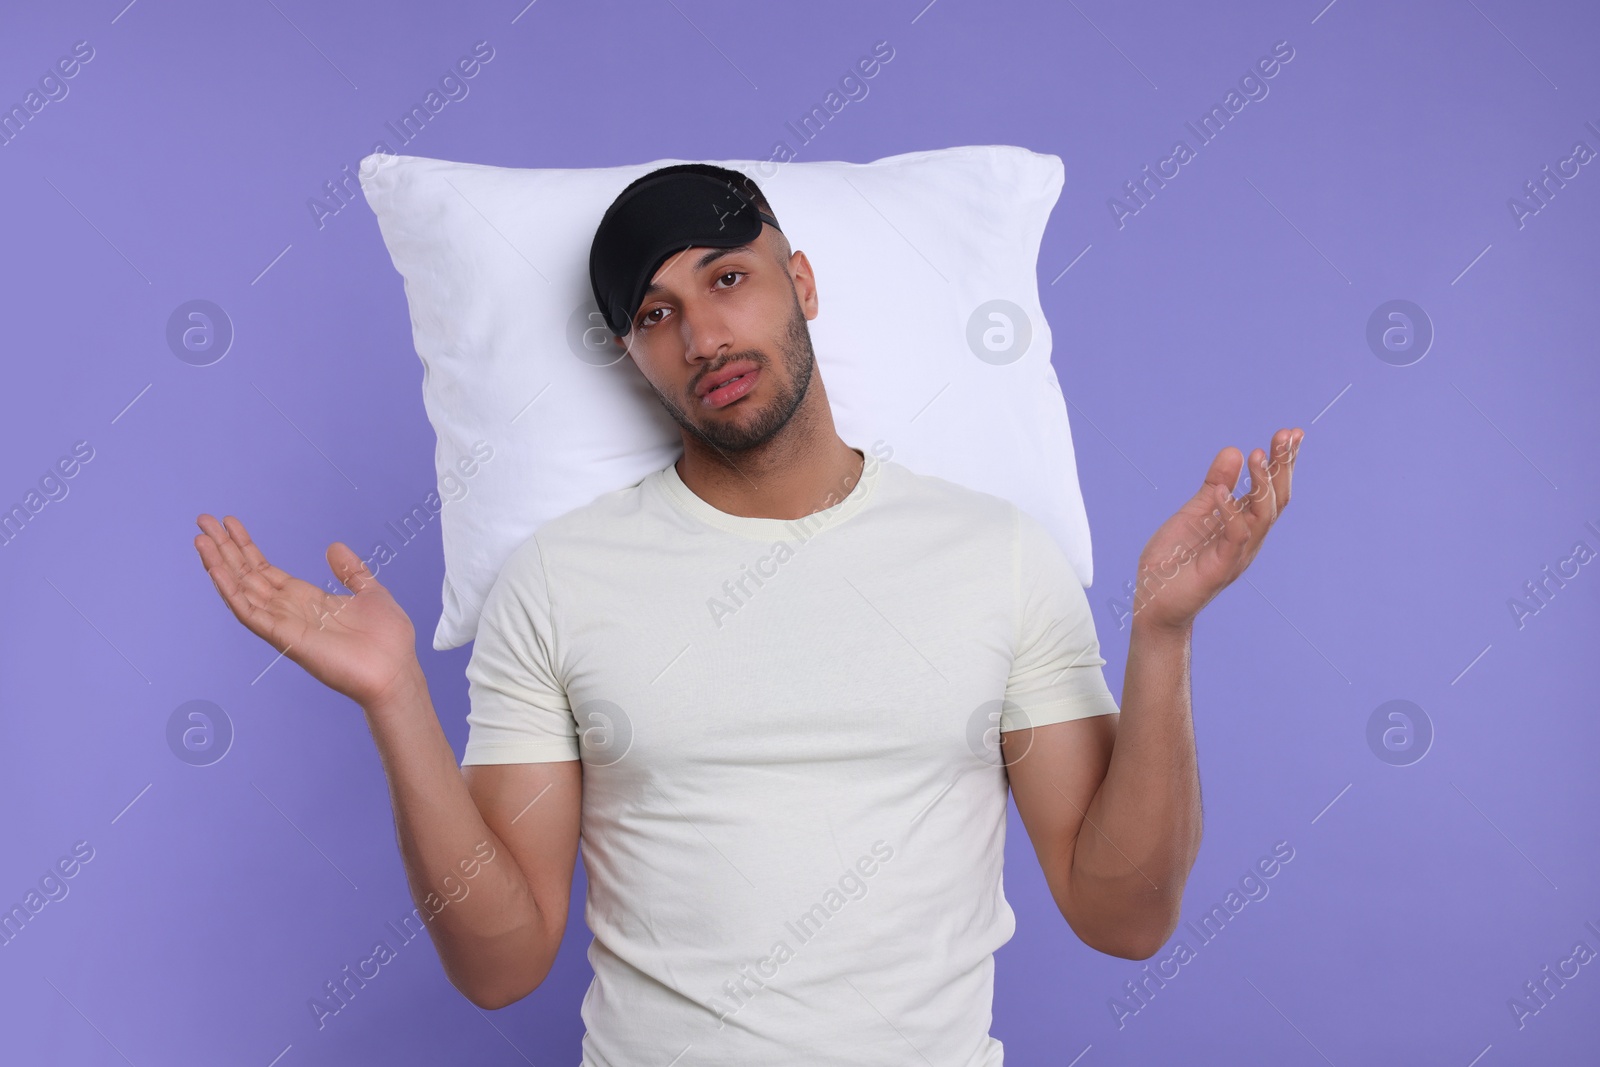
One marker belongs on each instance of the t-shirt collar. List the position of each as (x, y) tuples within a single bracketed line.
[(768, 529)]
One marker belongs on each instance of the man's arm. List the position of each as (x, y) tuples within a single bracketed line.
[(489, 850), (1112, 806), (1112, 803)]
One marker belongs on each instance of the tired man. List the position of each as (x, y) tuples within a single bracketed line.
[(779, 689)]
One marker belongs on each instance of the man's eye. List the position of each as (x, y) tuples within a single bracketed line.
[(645, 321)]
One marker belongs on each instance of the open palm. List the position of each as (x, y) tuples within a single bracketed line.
[(359, 645), (1210, 541)]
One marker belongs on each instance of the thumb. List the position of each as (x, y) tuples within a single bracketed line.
[(1215, 494), (350, 569), (1216, 490), (1224, 471)]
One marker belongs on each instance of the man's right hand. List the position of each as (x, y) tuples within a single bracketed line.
[(362, 645), (497, 942)]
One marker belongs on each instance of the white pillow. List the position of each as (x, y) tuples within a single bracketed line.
[(929, 336)]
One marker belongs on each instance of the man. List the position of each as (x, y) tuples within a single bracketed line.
[(781, 688)]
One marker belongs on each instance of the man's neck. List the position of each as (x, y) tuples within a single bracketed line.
[(781, 480)]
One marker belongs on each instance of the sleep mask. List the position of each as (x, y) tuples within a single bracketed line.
[(664, 213)]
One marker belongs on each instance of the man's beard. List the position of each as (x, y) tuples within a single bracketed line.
[(729, 437)]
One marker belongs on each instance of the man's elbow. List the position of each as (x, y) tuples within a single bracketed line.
[(494, 987), (1129, 937), (495, 1003), (498, 968), (1130, 949), (493, 999)]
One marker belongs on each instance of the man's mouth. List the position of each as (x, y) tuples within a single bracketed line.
[(724, 386)]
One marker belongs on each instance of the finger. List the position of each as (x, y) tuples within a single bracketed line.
[(1262, 500), (1215, 496), (1223, 472), (233, 592), (1236, 529), (252, 554), (217, 568), (233, 558), (211, 559), (1292, 451), (1280, 464)]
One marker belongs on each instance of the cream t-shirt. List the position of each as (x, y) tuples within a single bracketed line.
[(794, 807)]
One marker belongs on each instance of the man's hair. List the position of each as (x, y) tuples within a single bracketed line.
[(742, 182)]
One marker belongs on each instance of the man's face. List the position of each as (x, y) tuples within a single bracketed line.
[(712, 313)]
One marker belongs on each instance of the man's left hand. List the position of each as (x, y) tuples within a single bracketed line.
[(1198, 552)]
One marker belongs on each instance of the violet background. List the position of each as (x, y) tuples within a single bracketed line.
[(1420, 898)]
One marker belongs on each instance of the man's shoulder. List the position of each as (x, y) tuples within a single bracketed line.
[(601, 521), (608, 512)]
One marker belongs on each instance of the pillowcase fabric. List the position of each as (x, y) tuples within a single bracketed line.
[(929, 336)]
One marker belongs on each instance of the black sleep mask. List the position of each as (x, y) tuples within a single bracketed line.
[(661, 215)]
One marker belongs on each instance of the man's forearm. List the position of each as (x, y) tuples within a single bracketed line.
[(1141, 831), (488, 929)]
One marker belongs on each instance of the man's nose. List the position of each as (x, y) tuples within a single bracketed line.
[(706, 332)]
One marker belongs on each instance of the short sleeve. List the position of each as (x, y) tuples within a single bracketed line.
[(1055, 672), (518, 707)]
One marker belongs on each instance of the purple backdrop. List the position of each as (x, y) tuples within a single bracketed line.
[(1443, 863)]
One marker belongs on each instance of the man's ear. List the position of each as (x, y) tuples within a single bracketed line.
[(805, 283)]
